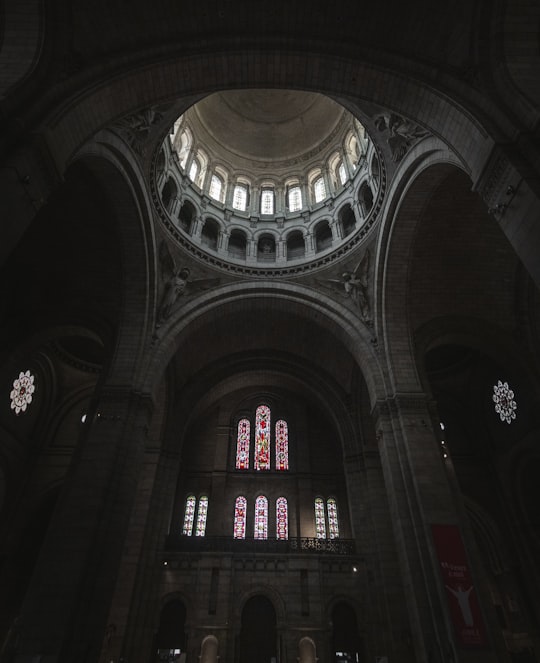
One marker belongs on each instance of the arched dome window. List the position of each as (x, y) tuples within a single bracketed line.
[(194, 170), (319, 189), (183, 142), (294, 197), (342, 173), (241, 196), (267, 200)]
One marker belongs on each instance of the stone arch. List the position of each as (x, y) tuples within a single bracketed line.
[(331, 317), (296, 245), (209, 649), (210, 233), (307, 651)]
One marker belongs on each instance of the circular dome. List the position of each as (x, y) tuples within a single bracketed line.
[(267, 125), (268, 179)]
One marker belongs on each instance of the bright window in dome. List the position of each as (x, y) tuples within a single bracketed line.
[(295, 199), (216, 186), (267, 201), (319, 189), (240, 197), (194, 170), (342, 172)]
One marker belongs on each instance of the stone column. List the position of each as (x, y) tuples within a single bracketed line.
[(64, 615), (420, 494)]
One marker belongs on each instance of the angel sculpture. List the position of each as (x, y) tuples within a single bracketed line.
[(354, 284), (401, 133), (176, 281)]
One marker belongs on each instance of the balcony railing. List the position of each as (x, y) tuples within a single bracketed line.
[(179, 543)]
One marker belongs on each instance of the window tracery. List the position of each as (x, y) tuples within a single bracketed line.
[(242, 445), (261, 518), (240, 517), (282, 517), (282, 445), (262, 438)]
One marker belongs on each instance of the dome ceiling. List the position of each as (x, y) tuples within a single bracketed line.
[(268, 126)]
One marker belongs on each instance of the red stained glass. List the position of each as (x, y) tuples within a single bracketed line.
[(242, 445), (262, 438), (261, 518), (240, 518)]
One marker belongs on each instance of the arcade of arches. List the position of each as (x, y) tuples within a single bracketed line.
[(270, 332)]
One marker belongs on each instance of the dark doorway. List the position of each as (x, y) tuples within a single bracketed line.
[(171, 637), (346, 642), (258, 637)]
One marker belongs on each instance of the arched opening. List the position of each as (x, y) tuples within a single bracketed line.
[(347, 219), (365, 198), (266, 249), (210, 234), (347, 646), (296, 246), (237, 244), (170, 641), (258, 636), (186, 216), (169, 193), (323, 236)]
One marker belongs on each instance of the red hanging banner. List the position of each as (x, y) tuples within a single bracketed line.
[(460, 591)]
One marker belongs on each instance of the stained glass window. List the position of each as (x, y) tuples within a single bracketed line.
[(505, 405), (261, 518), (189, 515), (282, 528), (262, 438), (282, 445), (21, 393), (201, 516), (333, 525), (320, 525), (240, 518), (242, 445)]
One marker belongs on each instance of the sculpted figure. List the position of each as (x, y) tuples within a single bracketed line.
[(401, 133), (354, 284)]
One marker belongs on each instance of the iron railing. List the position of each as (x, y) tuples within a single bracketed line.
[(180, 543)]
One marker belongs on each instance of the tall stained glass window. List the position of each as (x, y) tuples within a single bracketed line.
[(242, 445), (201, 516), (189, 515), (261, 518), (333, 524), (240, 518), (262, 438), (320, 524), (282, 445), (282, 527)]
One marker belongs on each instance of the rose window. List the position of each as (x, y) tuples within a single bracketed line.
[(21, 394), (505, 405)]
